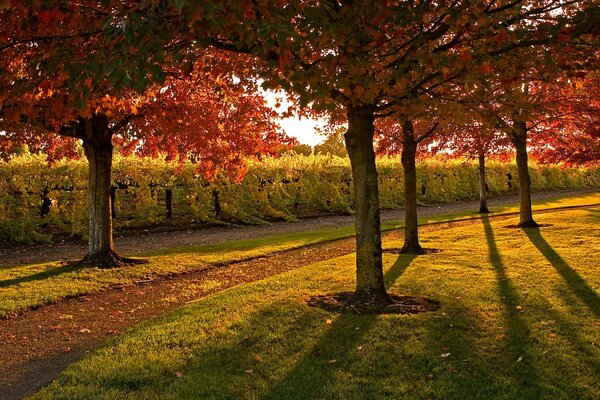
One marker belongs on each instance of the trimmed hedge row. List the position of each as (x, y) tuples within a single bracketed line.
[(147, 190)]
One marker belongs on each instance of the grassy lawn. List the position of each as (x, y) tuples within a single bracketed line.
[(519, 319), (23, 287)]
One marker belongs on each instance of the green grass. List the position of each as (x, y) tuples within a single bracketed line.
[(520, 319), (28, 286)]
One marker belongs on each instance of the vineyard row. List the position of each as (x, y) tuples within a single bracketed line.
[(34, 194)]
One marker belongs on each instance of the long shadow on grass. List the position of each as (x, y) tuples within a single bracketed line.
[(48, 273), (333, 352), (569, 327), (575, 282), (517, 338)]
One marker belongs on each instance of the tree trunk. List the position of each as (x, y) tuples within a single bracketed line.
[(519, 140), (483, 208), (46, 203), (409, 165), (370, 288), (97, 144), (169, 202)]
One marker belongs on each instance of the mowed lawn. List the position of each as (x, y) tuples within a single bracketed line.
[(28, 286), (519, 319)]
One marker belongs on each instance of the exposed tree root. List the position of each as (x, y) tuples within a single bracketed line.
[(109, 259)]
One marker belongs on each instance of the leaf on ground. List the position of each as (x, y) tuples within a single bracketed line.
[(445, 355)]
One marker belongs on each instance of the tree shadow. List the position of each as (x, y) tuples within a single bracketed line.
[(517, 332), (572, 332), (312, 373), (48, 273), (574, 281)]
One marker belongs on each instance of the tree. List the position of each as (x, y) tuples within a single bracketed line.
[(363, 57), (572, 136), (405, 136), (333, 144), (474, 139), (205, 114)]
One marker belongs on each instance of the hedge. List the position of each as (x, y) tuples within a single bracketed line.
[(34, 194)]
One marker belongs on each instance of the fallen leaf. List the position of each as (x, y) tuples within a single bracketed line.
[(258, 358), (519, 308), (178, 374), (332, 361), (520, 359), (329, 322), (67, 349), (84, 330), (445, 355), (249, 371)]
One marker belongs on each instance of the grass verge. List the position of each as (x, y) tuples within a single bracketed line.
[(29, 286), (520, 319)]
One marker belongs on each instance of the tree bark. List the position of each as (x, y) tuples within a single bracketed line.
[(169, 202), (97, 144), (483, 208), (46, 203), (519, 140), (409, 165), (370, 288)]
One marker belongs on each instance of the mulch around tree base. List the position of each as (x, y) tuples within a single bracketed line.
[(340, 303), (424, 251)]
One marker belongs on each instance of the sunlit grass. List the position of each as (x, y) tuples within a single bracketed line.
[(519, 320), (23, 287)]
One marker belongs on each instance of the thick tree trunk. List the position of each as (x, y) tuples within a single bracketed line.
[(370, 287), (519, 140), (483, 208), (97, 144), (409, 165)]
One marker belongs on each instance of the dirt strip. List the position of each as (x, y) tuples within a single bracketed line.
[(38, 344)]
